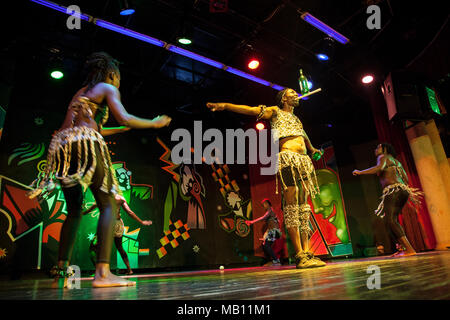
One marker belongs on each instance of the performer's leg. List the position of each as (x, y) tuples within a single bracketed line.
[(123, 254), (292, 221), (291, 215), (393, 205), (74, 200), (305, 230), (267, 247), (304, 219), (108, 208)]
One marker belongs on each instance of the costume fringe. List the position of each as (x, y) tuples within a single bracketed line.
[(303, 164), (61, 143), (415, 196)]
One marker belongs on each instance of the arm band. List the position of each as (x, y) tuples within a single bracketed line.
[(261, 114)]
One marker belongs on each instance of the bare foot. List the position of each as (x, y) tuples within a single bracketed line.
[(404, 254), (104, 278)]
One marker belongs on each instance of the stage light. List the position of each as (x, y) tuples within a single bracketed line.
[(126, 8), (185, 34), (184, 40), (260, 126), (326, 49), (253, 64), (56, 74), (324, 28), (367, 79), (139, 36)]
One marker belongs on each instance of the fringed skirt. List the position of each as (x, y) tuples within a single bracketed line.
[(301, 168), (73, 155), (414, 196), (119, 228), (272, 234)]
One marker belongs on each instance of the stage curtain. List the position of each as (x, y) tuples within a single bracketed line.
[(415, 221)]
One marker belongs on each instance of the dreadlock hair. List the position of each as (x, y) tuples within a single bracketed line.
[(388, 148), (99, 65), (280, 96)]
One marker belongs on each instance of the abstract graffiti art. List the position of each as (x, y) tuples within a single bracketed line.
[(240, 209), (331, 234)]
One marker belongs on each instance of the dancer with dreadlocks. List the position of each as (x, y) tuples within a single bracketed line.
[(295, 168), (396, 193), (79, 158)]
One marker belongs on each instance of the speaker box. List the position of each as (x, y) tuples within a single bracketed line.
[(405, 97)]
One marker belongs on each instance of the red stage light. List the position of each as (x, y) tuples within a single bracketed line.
[(260, 126), (253, 64), (367, 79)]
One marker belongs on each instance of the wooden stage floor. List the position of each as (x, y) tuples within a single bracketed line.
[(425, 276)]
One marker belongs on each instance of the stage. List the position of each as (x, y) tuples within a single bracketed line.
[(424, 276)]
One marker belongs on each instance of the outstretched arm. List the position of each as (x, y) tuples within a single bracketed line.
[(113, 130), (249, 222), (133, 215), (242, 109), (381, 163), (112, 95)]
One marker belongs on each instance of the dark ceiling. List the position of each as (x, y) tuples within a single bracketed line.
[(156, 80)]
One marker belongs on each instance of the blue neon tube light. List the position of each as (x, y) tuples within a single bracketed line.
[(128, 32), (195, 56), (59, 8), (277, 87), (248, 76), (324, 28)]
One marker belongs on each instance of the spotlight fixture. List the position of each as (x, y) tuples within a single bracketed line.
[(186, 33), (253, 64), (260, 126), (326, 49), (367, 79), (126, 8), (184, 40), (56, 74)]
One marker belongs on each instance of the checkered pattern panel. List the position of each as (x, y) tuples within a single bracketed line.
[(177, 232)]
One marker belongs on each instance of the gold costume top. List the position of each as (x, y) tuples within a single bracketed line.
[(91, 110), (83, 144), (286, 124)]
